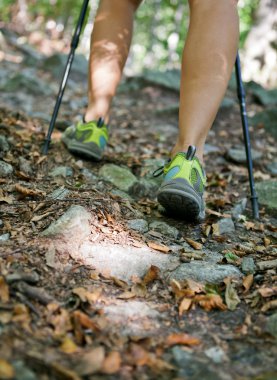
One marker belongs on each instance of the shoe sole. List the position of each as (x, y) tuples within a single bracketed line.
[(89, 150), (185, 203)]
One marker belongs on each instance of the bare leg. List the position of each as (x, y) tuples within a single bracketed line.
[(208, 58), (110, 43)]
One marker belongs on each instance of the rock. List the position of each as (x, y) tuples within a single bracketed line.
[(150, 165), (60, 193), (136, 313), (267, 195), (139, 225), (123, 262), (169, 79), (216, 354), (61, 171), (208, 148), (268, 119), (75, 221), (5, 169), (227, 103), (263, 96), (4, 145), (22, 372), (144, 188), (193, 367), (238, 155), (1, 223), (27, 81), (122, 194), (56, 64), (271, 325), (4, 237), (272, 167), (208, 272), (163, 228), (226, 226), (248, 265), (25, 166), (89, 176), (120, 177), (238, 209)]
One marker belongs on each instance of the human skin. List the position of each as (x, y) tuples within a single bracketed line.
[(208, 58)]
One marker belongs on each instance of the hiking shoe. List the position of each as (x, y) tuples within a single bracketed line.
[(87, 139), (181, 192)]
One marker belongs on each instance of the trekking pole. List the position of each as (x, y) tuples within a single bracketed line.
[(241, 96), (73, 46)]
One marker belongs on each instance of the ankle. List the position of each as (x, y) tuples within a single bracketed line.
[(183, 147)]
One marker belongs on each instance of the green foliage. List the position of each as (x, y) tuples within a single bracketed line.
[(246, 15)]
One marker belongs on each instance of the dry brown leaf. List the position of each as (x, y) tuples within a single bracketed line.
[(87, 296), (247, 282), (216, 229), (91, 362), (185, 305), (267, 241), (231, 297), (68, 346), (120, 283), (196, 287), (61, 322), (127, 295), (84, 320), (5, 198), (158, 247), (139, 290), (28, 192), (6, 370), (194, 244), (151, 275), (210, 301), (268, 292), (111, 363), (269, 305), (138, 355), (179, 291), (182, 339), (4, 290)]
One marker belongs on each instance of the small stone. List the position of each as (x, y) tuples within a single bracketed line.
[(1, 223), (4, 145), (267, 195), (60, 193), (272, 167), (164, 229), (208, 148), (208, 272), (271, 325), (226, 226), (5, 169), (238, 155), (145, 188), (248, 265), (74, 221), (4, 237), (139, 225), (120, 177), (89, 176), (216, 354), (22, 372), (61, 171), (25, 166), (238, 209)]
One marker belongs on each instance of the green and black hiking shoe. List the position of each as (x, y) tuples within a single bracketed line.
[(181, 192), (87, 139)]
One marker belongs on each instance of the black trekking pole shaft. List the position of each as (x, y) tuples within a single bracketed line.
[(73, 46), (242, 103)]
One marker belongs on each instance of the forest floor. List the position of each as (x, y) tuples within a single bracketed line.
[(96, 282)]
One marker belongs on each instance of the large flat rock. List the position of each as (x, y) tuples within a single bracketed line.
[(123, 261)]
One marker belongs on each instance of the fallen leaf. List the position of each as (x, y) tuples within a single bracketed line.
[(158, 247), (269, 305), (138, 355), (84, 320), (91, 362), (26, 192), (179, 291), (4, 290), (111, 363), (6, 370), (182, 339), (194, 244), (185, 305), (210, 301), (139, 290), (231, 297), (151, 275), (216, 229), (68, 346), (87, 296), (247, 282), (127, 295), (267, 292)]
